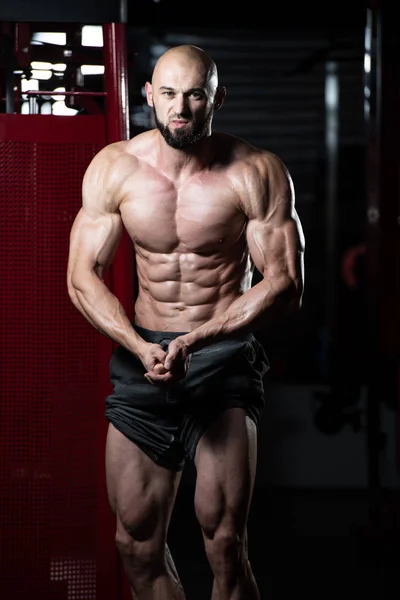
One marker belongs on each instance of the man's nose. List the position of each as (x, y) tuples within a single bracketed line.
[(181, 106)]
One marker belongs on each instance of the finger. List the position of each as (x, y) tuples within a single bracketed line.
[(159, 354), (160, 369), (172, 353), (154, 377), (169, 360), (157, 362)]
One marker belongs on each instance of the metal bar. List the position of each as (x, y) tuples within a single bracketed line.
[(9, 61), (372, 116), (120, 280), (117, 127), (33, 106), (49, 93), (123, 11), (331, 225), (116, 71)]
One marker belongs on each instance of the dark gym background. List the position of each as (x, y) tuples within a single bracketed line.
[(320, 88)]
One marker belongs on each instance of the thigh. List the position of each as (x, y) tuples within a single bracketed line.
[(142, 413), (225, 460), (141, 493)]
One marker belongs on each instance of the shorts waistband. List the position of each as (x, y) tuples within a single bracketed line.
[(155, 337)]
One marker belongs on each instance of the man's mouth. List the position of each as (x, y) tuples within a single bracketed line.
[(179, 122)]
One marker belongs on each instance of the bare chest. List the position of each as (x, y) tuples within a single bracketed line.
[(201, 216)]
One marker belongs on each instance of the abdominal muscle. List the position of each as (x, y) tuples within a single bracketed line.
[(181, 291)]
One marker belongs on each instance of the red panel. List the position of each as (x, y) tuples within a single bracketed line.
[(115, 55), (51, 412), (50, 129)]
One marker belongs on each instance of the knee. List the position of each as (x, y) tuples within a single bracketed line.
[(222, 536), (225, 548), (137, 542), (142, 551)]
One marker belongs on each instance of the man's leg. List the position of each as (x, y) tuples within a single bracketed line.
[(225, 460), (142, 495)]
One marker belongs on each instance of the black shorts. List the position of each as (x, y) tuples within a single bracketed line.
[(167, 423)]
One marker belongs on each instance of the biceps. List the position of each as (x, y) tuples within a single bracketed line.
[(93, 243), (277, 251)]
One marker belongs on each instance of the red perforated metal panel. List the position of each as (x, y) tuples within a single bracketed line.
[(51, 409)]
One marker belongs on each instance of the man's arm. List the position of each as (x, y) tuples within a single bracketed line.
[(94, 240), (276, 244)]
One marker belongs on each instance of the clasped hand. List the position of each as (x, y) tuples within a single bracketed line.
[(166, 367)]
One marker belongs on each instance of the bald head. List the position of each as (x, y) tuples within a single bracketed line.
[(190, 59)]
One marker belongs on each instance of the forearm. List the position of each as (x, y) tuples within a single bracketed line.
[(75, 301), (255, 310), (104, 311)]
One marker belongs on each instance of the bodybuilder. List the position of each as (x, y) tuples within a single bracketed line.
[(203, 209)]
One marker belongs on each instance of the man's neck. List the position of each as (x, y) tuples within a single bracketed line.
[(183, 164)]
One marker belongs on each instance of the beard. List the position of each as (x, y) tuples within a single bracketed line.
[(187, 136)]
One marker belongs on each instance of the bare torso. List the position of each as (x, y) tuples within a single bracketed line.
[(189, 238)]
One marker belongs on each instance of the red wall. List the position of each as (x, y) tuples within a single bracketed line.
[(56, 530)]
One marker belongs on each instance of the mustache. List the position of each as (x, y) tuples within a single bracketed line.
[(184, 116)]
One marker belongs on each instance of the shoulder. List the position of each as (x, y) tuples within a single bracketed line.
[(119, 154), (110, 167), (241, 156), (106, 164), (259, 176)]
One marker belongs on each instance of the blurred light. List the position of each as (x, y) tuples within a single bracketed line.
[(29, 84), (367, 109), (67, 53), (40, 65), (59, 108), (18, 72), (156, 51), (92, 35), (59, 89), (43, 75), (25, 108), (331, 87), (367, 62), (92, 69), (59, 67), (141, 117), (50, 37), (46, 108)]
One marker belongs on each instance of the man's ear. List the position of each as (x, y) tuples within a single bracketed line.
[(219, 97), (149, 93)]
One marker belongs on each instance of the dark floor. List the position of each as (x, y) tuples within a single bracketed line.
[(313, 543)]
